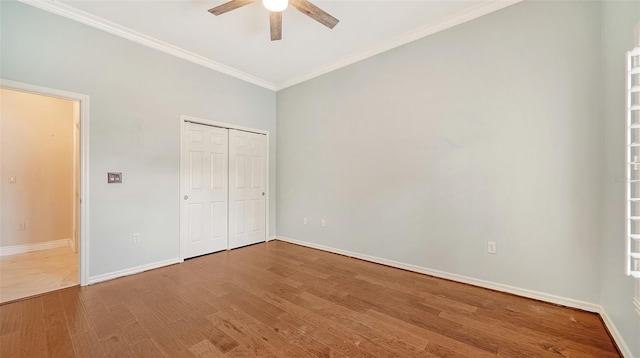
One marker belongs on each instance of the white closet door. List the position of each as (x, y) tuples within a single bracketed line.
[(204, 193), (247, 180)]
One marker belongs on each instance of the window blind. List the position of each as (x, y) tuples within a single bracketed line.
[(632, 252)]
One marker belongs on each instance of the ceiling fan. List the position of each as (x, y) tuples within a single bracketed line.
[(276, 7)]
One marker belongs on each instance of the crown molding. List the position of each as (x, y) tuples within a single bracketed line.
[(442, 24), (86, 18), (447, 22)]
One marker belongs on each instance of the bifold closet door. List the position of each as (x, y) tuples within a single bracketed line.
[(247, 186), (205, 186)]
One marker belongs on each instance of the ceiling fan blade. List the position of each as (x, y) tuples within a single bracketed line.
[(228, 6), (315, 13), (275, 22)]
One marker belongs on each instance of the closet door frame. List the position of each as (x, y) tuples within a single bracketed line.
[(183, 185)]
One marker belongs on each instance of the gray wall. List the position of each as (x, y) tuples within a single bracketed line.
[(618, 22), (489, 131), (137, 95)]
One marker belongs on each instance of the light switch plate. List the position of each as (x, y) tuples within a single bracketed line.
[(12, 180), (114, 178), (491, 247)]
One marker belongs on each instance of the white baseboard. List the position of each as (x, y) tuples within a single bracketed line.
[(133, 270), (569, 302), (617, 337), (39, 246)]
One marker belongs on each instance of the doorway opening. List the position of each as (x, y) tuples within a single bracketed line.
[(41, 171)]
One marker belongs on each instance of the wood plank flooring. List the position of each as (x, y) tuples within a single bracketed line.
[(282, 300), (34, 273)]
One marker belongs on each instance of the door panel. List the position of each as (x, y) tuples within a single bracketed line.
[(218, 171), (204, 199), (247, 158), (195, 221), (239, 172), (239, 217), (195, 170), (256, 214)]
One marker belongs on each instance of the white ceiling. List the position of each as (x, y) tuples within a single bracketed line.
[(237, 43)]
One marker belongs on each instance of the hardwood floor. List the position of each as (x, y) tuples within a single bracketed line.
[(34, 273), (283, 300)]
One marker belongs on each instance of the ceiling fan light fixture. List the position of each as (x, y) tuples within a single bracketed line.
[(275, 5)]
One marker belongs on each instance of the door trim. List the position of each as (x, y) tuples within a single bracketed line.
[(83, 265), (207, 122)]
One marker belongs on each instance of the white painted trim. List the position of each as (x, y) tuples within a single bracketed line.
[(615, 334), (97, 22), (76, 171), (38, 246), (208, 122), (182, 239), (132, 271), (447, 22), (267, 197), (84, 162), (569, 302)]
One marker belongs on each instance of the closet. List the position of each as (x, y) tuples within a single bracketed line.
[(223, 187)]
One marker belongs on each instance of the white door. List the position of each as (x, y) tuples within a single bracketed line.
[(247, 178), (204, 171)]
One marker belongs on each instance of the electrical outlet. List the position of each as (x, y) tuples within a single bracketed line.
[(136, 238), (304, 220), (491, 247), (323, 222), (22, 226)]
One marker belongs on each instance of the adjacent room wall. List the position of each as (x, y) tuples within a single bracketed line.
[(37, 147), (489, 131), (137, 96), (620, 26)]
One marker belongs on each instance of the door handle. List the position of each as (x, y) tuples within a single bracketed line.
[(263, 193), (186, 197)]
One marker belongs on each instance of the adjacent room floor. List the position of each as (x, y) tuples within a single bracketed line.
[(282, 300), (34, 273)]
